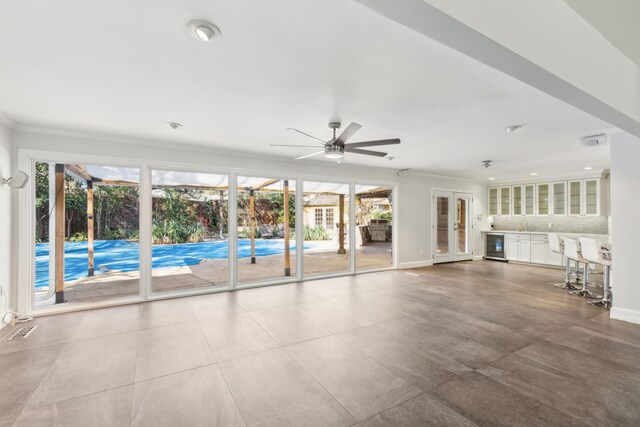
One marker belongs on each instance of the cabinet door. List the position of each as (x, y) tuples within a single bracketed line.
[(505, 200), (575, 197), (516, 201), (539, 252), (543, 199), (591, 197), (559, 198), (493, 201), (512, 249), (524, 250), (529, 199)]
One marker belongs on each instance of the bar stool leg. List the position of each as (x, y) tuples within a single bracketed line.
[(606, 300), (585, 292), (567, 278)]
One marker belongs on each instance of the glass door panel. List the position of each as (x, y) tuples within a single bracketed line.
[(543, 199), (374, 218), (493, 201), (190, 247), (559, 198), (591, 197), (87, 231), (443, 226), (462, 227), (266, 229), (575, 197), (529, 196), (517, 200), (505, 200), (326, 228)]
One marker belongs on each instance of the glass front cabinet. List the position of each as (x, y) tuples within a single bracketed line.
[(577, 198), (584, 197)]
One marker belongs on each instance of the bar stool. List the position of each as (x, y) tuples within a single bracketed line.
[(572, 252), (556, 245), (591, 251)]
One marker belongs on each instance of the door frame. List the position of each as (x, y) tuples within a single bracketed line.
[(453, 255)]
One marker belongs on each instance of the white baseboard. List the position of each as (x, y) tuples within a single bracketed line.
[(415, 264), (625, 314), (478, 257)]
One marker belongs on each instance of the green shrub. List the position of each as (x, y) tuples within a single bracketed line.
[(315, 233), (167, 232), (80, 236), (378, 214)]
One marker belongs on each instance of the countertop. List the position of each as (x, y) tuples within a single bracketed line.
[(543, 232)]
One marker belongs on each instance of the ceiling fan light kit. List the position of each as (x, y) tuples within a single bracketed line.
[(337, 145)]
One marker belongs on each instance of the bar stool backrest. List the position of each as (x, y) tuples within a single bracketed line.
[(555, 243), (572, 249), (590, 249)]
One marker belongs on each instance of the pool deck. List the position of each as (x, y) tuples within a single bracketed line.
[(323, 259)]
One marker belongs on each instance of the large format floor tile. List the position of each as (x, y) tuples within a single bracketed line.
[(171, 349), (236, 335), (273, 385), (197, 397), (360, 384), (473, 343)]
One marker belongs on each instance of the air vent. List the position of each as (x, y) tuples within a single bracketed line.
[(22, 333)]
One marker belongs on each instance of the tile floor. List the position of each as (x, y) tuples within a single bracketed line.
[(475, 343)]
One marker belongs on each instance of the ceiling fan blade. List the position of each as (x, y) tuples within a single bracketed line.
[(310, 155), (288, 145), (347, 133), (348, 149), (373, 143), (308, 136)]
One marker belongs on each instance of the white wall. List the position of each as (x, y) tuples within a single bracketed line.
[(625, 231), (414, 195), (5, 219)]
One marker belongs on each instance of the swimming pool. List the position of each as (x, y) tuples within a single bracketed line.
[(120, 255)]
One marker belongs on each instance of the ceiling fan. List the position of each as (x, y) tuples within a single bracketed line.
[(337, 146)]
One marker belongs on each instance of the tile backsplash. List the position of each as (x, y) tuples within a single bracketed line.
[(561, 224)]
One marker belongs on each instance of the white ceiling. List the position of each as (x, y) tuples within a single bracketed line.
[(126, 68), (617, 21)]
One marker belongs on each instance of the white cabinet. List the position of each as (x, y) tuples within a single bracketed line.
[(559, 198), (584, 197), (539, 249), (529, 200), (492, 198), (543, 197), (517, 200), (518, 247), (499, 201)]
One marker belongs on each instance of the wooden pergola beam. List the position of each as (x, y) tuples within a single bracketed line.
[(59, 232), (341, 249), (90, 227), (287, 255)]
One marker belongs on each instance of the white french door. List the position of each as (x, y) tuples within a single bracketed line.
[(451, 226)]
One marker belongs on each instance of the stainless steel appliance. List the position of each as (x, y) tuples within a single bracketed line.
[(495, 246)]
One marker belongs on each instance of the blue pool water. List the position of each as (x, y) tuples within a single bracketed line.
[(118, 255)]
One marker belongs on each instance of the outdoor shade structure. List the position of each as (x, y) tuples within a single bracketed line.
[(88, 230)]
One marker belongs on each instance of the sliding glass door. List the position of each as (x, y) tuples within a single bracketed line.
[(374, 227)]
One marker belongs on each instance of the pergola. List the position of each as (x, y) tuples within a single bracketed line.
[(162, 179)]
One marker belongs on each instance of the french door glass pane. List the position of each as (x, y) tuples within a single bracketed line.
[(326, 245), (442, 227), (266, 228), (189, 230), (87, 228), (463, 225), (374, 217)]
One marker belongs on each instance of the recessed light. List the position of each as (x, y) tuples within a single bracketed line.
[(492, 179), (588, 168), (512, 128), (533, 173), (204, 31), (174, 125)]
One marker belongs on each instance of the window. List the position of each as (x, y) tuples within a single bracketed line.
[(328, 218), (319, 217)]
